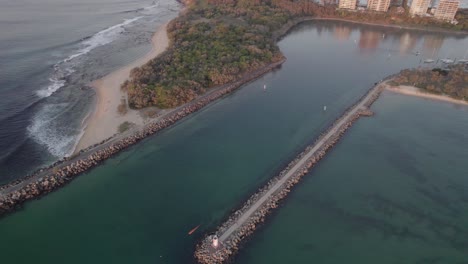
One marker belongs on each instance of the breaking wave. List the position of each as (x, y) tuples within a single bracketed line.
[(106, 36)]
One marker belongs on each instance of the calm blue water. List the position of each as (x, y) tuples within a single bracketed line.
[(49, 52)]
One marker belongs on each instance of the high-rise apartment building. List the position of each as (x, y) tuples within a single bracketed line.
[(378, 5), (447, 9), (347, 4), (419, 7)]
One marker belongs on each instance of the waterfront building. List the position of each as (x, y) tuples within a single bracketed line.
[(419, 7), (347, 4), (447, 9), (378, 5)]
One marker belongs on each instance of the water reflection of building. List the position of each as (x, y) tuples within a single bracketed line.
[(407, 43), (342, 32), (432, 45), (378, 5), (369, 40)]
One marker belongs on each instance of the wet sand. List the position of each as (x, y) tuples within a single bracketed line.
[(414, 91), (104, 120)]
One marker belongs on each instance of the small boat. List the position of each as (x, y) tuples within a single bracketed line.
[(417, 53), (264, 87), (193, 230), (324, 108), (447, 61), (429, 61), (463, 61)]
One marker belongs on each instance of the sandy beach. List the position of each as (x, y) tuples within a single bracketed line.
[(414, 91), (104, 119)]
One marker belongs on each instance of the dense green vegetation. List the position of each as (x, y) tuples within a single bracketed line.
[(211, 45), (217, 41), (462, 18), (452, 81)]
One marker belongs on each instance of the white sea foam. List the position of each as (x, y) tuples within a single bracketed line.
[(152, 6), (101, 38), (55, 84), (46, 130)]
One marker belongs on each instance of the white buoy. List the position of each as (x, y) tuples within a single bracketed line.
[(324, 108)]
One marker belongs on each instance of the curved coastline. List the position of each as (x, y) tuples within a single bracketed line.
[(104, 119), (46, 180)]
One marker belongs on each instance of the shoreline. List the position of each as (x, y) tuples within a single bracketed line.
[(103, 119), (418, 92), (47, 180), (435, 30)]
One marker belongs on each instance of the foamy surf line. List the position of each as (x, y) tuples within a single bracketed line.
[(101, 38)]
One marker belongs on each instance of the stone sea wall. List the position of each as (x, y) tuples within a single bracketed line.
[(206, 254), (48, 179)]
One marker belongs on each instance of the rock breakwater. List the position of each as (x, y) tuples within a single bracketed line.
[(245, 220), (45, 180)]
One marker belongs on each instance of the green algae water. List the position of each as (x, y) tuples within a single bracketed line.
[(139, 206)]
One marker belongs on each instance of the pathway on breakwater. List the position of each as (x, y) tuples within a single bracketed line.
[(301, 163), (243, 221)]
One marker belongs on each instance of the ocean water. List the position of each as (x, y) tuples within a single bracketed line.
[(50, 51), (138, 206)]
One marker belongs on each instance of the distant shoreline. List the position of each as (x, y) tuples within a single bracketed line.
[(434, 30)]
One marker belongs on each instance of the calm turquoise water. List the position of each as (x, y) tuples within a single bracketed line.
[(139, 206)]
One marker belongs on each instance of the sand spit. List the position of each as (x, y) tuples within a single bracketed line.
[(104, 120), (414, 91)]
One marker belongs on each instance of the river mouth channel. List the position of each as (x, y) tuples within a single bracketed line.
[(139, 206)]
